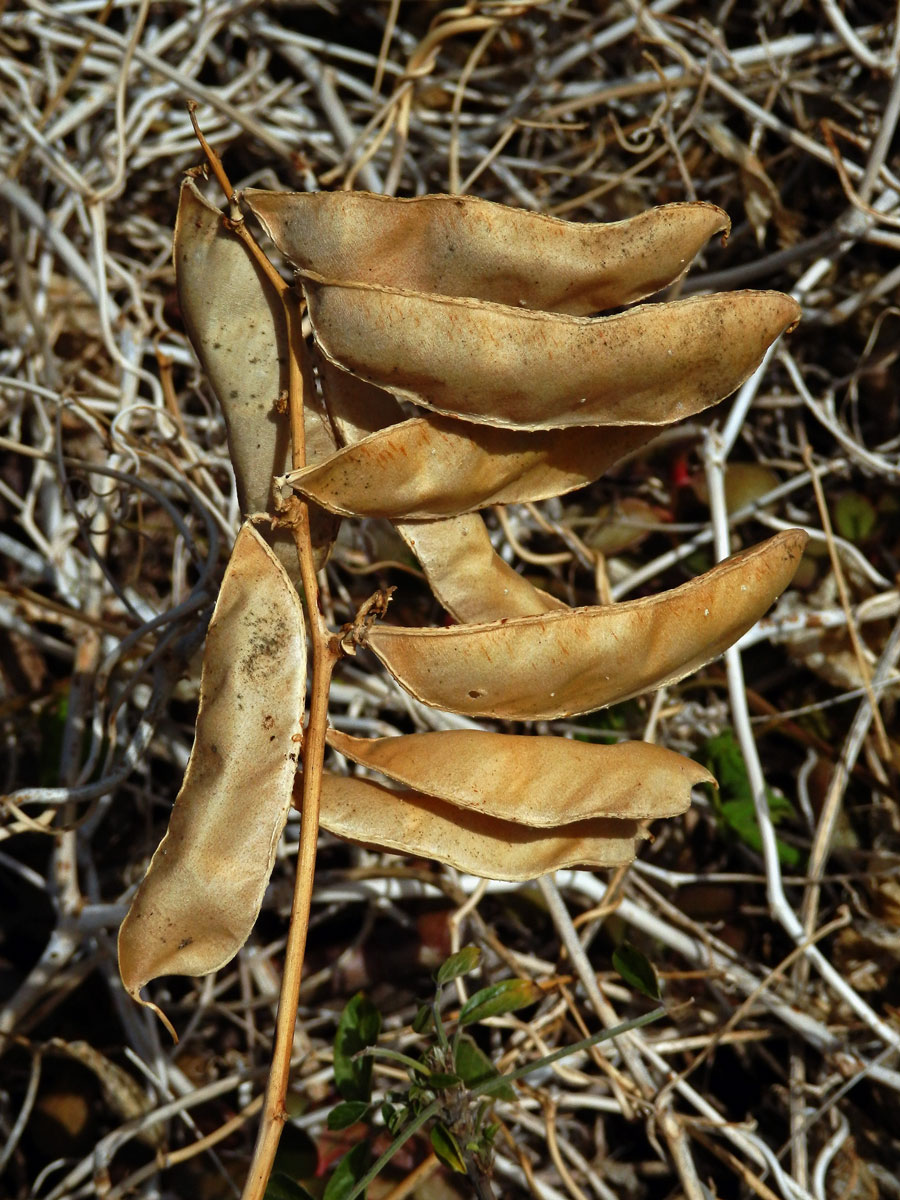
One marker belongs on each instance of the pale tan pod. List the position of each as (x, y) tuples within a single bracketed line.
[(651, 365), (570, 662), (464, 246), (438, 466), (466, 573), (536, 781), (205, 884), (463, 569), (235, 322), (410, 823), (356, 408)]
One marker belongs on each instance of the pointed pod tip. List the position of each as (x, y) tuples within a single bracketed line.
[(724, 226), (710, 218), (194, 213), (693, 222), (701, 775), (132, 980), (777, 560), (133, 988), (159, 1012), (794, 541), (783, 312), (795, 312), (769, 313)]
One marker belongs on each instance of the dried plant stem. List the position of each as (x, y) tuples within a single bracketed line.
[(325, 654), (326, 650)]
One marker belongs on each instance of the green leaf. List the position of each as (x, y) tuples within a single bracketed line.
[(419, 1096), (740, 817), (462, 963), (347, 1174), (723, 757), (734, 804), (393, 1116), (447, 1148), (854, 517), (499, 998), (636, 969), (358, 1028), (423, 1020), (342, 1116), (282, 1187), (439, 1080), (474, 1067)]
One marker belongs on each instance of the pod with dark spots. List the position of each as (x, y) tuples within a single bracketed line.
[(465, 246), (562, 663), (236, 324), (651, 365), (205, 884)]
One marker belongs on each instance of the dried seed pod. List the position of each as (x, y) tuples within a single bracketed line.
[(410, 823), (536, 781), (236, 324), (651, 365), (466, 573), (355, 408), (464, 246), (463, 569), (206, 881), (570, 662), (437, 466)]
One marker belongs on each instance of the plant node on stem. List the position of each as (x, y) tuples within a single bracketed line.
[(353, 634)]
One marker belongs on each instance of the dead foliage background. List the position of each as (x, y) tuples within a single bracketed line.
[(779, 1077)]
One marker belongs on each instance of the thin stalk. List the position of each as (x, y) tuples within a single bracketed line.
[(274, 1112), (605, 1035), (404, 1135), (389, 1055), (478, 1179), (440, 1032), (326, 650), (325, 653)]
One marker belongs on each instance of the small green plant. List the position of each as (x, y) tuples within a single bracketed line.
[(733, 802), (636, 969), (452, 1087)]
